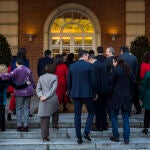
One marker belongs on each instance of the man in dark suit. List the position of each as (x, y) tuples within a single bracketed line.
[(81, 87), (100, 104), (100, 55), (43, 61), (131, 60)]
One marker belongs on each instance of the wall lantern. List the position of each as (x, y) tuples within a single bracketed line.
[(30, 37), (113, 37)]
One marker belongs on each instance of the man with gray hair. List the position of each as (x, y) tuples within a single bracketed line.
[(110, 52)]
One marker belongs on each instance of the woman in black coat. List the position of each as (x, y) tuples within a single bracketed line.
[(121, 81)]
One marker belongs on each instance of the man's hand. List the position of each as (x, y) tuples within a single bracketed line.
[(28, 83), (96, 97)]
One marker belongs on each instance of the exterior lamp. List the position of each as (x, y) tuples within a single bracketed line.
[(113, 37), (30, 37)]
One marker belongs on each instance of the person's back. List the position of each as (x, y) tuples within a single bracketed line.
[(43, 61), (102, 76), (122, 83), (83, 76), (131, 60), (20, 75), (100, 55), (81, 87), (101, 58)]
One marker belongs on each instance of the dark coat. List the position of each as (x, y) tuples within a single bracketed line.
[(101, 58), (81, 80), (109, 62), (42, 63), (145, 91), (101, 76), (121, 88), (131, 60)]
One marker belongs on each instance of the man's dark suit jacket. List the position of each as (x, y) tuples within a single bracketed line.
[(81, 80), (42, 63), (102, 76), (101, 58), (131, 60)]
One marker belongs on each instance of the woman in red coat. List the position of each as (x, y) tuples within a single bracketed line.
[(145, 66), (61, 72)]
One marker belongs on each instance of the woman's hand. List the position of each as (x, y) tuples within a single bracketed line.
[(43, 98)]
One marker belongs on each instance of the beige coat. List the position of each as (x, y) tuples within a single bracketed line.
[(46, 86)]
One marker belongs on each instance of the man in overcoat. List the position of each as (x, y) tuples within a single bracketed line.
[(131, 60)]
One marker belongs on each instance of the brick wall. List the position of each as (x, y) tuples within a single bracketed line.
[(147, 18), (32, 15)]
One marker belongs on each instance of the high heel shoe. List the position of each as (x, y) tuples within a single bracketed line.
[(145, 131), (45, 139), (55, 127)]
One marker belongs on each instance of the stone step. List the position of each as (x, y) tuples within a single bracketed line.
[(84, 116), (69, 123), (71, 144), (65, 133)]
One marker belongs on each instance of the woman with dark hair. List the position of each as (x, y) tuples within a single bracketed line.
[(48, 105), (70, 59), (61, 72), (22, 54), (121, 81), (145, 66)]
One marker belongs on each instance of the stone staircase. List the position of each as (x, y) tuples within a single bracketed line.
[(64, 138)]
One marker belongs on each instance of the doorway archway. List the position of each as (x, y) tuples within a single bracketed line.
[(71, 27)]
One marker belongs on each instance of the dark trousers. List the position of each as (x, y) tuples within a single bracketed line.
[(45, 121), (2, 117), (100, 106), (78, 103), (135, 99), (146, 118)]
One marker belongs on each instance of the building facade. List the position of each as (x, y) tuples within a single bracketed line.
[(68, 25)]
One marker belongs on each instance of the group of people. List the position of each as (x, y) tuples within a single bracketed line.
[(106, 84)]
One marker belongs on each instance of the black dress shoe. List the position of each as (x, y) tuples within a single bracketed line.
[(114, 139), (139, 111), (20, 128), (145, 131), (95, 129), (86, 137), (30, 115), (79, 140), (9, 116), (105, 128), (126, 141)]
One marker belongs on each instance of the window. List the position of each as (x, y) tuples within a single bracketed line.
[(70, 31)]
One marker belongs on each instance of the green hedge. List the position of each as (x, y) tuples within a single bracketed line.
[(5, 51)]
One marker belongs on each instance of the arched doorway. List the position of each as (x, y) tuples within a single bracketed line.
[(70, 28)]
